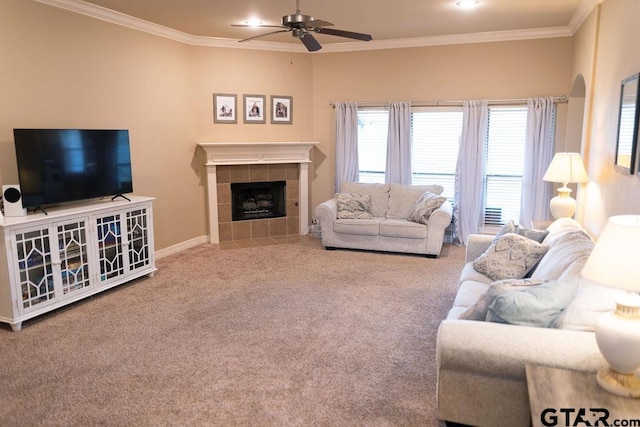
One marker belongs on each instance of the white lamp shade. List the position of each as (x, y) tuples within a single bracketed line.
[(566, 168), (615, 259)]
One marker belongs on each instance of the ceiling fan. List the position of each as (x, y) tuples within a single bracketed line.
[(303, 26)]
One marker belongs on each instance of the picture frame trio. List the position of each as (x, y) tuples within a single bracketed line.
[(225, 108)]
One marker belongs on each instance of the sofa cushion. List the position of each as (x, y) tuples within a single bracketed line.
[(510, 257), (568, 253), (402, 198), (379, 195), (590, 302), (512, 227), (533, 306), (559, 227), (403, 228), (426, 204), (354, 206), (470, 273), (478, 311), (468, 293), (364, 227)]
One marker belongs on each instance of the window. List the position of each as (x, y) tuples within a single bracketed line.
[(435, 138), (506, 136), (373, 126)]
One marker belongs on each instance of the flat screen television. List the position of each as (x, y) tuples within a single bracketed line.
[(64, 165)]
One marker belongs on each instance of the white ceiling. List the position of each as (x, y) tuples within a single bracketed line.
[(391, 22)]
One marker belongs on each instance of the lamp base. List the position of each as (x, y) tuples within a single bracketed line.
[(627, 385), (563, 205)]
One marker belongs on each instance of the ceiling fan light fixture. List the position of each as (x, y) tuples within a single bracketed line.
[(253, 22), (467, 4)]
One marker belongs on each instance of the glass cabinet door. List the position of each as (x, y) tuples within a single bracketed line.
[(74, 259), (110, 249), (138, 237), (34, 268)]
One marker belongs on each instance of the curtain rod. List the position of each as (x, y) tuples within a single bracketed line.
[(439, 102)]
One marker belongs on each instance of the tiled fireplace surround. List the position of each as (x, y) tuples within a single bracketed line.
[(250, 229), (238, 162)]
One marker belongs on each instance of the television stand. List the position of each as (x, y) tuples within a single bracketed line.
[(120, 195), (39, 208), (72, 252)]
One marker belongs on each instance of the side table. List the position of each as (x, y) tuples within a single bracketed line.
[(561, 397)]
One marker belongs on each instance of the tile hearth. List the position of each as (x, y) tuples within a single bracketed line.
[(258, 162), (258, 228)]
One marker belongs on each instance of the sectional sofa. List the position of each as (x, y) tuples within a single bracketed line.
[(496, 327)]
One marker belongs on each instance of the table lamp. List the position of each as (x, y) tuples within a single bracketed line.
[(565, 168), (615, 262)]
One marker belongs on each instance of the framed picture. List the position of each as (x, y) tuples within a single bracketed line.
[(281, 109), (254, 106), (224, 108)]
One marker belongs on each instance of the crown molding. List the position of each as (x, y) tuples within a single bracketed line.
[(582, 13), (108, 15), (491, 36)]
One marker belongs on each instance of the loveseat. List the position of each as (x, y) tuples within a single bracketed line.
[(498, 325), (385, 217)]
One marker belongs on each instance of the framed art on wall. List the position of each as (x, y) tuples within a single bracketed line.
[(254, 106), (281, 109), (224, 108)]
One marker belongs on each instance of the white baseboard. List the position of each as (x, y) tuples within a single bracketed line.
[(181, 246)]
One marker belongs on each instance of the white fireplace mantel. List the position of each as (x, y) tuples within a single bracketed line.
[(248, 153)]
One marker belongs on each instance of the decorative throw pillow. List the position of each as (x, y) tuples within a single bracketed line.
[(536, 306), (510, 257), (354, 206), (478, 311), (511, 227), (425, 206)]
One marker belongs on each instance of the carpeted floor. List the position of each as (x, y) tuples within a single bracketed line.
[(278, 335)]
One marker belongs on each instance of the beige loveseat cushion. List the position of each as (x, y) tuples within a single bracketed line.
[(402, 198), (403, 229), (379, 195), (360, 227)]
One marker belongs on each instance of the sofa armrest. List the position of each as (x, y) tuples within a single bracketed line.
[(441, 217), (490, 349), (477, 244), (327, 211)]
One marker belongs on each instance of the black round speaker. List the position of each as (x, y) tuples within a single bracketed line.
[(12, 195)]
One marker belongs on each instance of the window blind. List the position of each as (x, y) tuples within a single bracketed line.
[(373, 126), (435, 138), (506, 135)]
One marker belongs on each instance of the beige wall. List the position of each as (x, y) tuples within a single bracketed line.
[(606, 53), (517, 69), (61, 69)]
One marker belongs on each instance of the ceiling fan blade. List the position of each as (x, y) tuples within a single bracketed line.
[(310, 42), (342, 33), (262, 35), (317, 23)]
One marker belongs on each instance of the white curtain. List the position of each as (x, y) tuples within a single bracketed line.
[(346, 143), (399, 143), (469, 187), (539, 147)]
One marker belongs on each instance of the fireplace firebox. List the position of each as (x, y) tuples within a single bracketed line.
[(257, 200)]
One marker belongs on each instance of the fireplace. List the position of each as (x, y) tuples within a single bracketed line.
[(243, 162), (257, 200)]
